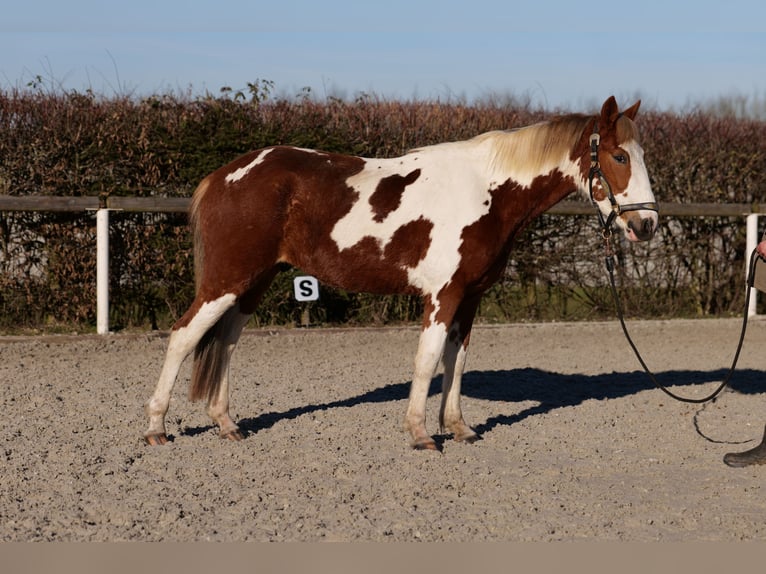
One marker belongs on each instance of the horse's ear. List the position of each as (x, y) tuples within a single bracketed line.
[(609, 112), (632, 110)]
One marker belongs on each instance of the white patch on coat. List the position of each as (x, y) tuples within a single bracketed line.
[(238, 174), (451, 192), (205, 318), (639, 187), (431, 349)]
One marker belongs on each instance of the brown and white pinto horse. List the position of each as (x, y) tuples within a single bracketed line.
[(437, 222)]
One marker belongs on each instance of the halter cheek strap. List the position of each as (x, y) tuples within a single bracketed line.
[(595, 172)]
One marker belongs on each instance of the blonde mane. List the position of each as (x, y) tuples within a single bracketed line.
[(626, 130), (537, 148)]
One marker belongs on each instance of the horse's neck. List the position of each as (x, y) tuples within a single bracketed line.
[(525, 160)]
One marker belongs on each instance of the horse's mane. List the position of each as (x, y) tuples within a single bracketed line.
[(536, 148), (626, 130)]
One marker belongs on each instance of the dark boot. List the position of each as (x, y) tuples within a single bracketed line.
[(755, 455)]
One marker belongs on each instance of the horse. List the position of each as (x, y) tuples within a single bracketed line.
[(438, 222)]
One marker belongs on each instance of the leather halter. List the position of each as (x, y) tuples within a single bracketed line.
[(595, 171)]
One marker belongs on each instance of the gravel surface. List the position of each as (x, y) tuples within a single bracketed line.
[(577, 443)]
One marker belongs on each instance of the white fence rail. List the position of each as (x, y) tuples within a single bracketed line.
[(102, 206)]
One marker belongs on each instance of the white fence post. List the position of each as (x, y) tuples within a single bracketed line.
[(751, 240), (102, 271)]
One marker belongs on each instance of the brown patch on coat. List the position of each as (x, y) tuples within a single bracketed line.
[(487, 242), (367, 266), (616, 174), (388, 193), (615, 129), (409, 244), (284, 211), (270, 211)]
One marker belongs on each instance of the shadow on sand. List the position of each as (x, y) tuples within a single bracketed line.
[(550, 390)]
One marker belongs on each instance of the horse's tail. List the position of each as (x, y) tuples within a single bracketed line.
[(194, 223), (210, 352), (211, 359)]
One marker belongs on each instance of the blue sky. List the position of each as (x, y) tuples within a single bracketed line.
[(558, 54)]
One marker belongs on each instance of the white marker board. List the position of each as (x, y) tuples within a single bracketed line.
[(306, 288)]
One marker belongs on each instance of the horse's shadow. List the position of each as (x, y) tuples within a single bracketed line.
[(549, 390)]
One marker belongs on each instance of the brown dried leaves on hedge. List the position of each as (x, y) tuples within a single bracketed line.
[(81, 144)]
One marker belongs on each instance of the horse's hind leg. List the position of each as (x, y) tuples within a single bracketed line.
[(210, 379), (193, 326), (218, 404)]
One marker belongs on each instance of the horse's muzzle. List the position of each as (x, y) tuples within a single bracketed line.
[(641, 228)]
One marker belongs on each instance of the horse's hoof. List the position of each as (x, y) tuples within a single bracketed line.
[(463, 433), (426, 444), (236, 435), (469, 439), (156, 439)]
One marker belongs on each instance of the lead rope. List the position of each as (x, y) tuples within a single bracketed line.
[(607, 234)]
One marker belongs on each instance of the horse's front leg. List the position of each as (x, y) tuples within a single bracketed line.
[(430, 349), (455, 352), (451, 415)]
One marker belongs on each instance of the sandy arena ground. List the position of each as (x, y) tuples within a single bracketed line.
[(577, 443)]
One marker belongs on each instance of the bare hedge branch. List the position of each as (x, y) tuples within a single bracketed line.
[(75, 144)]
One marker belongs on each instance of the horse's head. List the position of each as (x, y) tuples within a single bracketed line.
[(617, 179)]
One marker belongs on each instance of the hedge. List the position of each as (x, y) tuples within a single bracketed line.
[(73, 144)]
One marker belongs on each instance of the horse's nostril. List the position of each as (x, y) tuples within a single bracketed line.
[(648, 226), (643, 229)]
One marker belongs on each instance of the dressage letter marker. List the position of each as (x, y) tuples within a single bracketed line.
[(306, 288)]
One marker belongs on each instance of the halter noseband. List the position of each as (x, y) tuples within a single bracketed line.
[(595, 171)]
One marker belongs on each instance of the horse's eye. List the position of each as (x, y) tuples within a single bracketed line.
[(620, 158)]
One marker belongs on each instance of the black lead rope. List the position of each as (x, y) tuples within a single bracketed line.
[(606, 231), (750, 278)]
